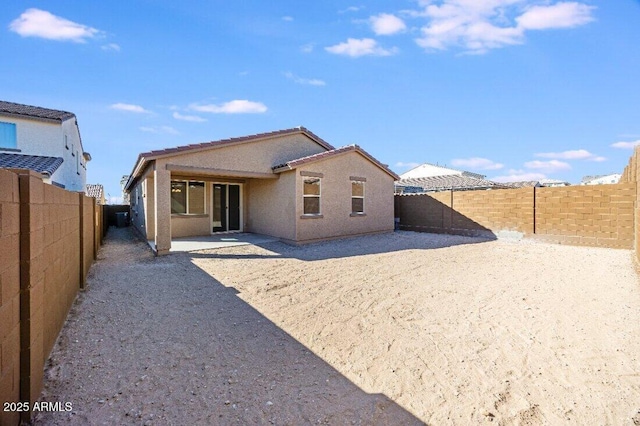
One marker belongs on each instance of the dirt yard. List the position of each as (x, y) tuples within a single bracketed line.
[(401, 328)]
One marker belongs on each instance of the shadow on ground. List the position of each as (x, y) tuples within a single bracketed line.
[(347, 247), (158, 341)]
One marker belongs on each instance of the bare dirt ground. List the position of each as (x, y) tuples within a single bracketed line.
[(400, 328)]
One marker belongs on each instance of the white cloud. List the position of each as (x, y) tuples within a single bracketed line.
[(160, 129), (287, 18), (306, 81), (240, 106), (360, 47), (111, 46), (577, 154), (307, 48), (386, 24), (550, 166), (129, 108), (409, 165), (477, 163), (350, 9), (192, 118), (559, 15), (626, 145), (514, 175), (478, 26), (40, 23)]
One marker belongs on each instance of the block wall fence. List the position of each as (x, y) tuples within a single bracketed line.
[(631, 174), (49, 237), (598, 215)]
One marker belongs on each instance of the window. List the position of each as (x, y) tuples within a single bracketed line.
[(8, 136), (187, 197), (357, 196), (311, 195)]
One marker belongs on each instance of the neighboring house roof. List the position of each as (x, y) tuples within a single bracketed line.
[(430, 170), (37, 163), (293, 164), (95, 191), (11, 108), (553, 182), (523, 184), (601, 179), (145, 157), (446, 183)]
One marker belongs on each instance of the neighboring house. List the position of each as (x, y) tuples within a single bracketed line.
[(524, 184), (551, 183), (96, 191), (445, 183), (44, 140), (125, 194), (289, 184), (431, 170), (601, 179)]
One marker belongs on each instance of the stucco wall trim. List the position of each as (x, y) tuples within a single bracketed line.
[(358, 178), (311, 216), (220, 172)]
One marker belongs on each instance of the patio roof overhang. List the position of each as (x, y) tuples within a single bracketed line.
[(213, 172)]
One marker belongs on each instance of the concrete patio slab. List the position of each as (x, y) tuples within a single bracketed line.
[(187, 244)]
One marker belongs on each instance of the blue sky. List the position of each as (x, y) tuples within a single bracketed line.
[(513, 89)]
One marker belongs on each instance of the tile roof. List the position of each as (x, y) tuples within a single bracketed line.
[(94, 190), (448, 182), (37, 163), (290, 165), (222, 142), (523, 184), (12, 108)]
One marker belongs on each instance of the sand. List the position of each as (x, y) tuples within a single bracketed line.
[(401, 328)]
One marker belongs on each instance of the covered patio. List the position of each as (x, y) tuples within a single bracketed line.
[(216, 241)]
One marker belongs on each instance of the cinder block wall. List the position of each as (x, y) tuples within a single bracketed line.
[(9, 294), (47, 245), (598, 215), (631, 175)]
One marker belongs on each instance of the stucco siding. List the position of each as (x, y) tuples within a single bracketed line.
[(273, 207), (258, 156), (335, 205), (189, 225)]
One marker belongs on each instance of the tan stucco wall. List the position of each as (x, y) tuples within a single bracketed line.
[(257, 156), (189, 225), (273, 206), (142, 210), (335, 201)]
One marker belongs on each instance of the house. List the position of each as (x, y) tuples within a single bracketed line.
[(289, 184), (444, 183), (553, 183), (601, 179), (44, 140), (430, 170), (96, 191)]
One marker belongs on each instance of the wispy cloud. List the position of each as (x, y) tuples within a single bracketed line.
[(515, 175), (550, 166), (360, 47), (387, 24), (306, 81), (287, 18), (192, 118), (307, 48), (478, 26), (409, 165), (476, 163), (577, 154), (240, 106), (129, 108), (626, 145), (351, 9), (160, 129), (40, 23), (111, 46)]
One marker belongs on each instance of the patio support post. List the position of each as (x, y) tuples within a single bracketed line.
[(162, 206)]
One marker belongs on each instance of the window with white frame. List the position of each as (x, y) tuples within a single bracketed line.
[(8, 136), (357, 196), (311, 195), (187, 197)]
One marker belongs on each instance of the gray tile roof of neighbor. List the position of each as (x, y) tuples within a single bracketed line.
[(11, 108), (448, 182), (37, 163), (94, 190)]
